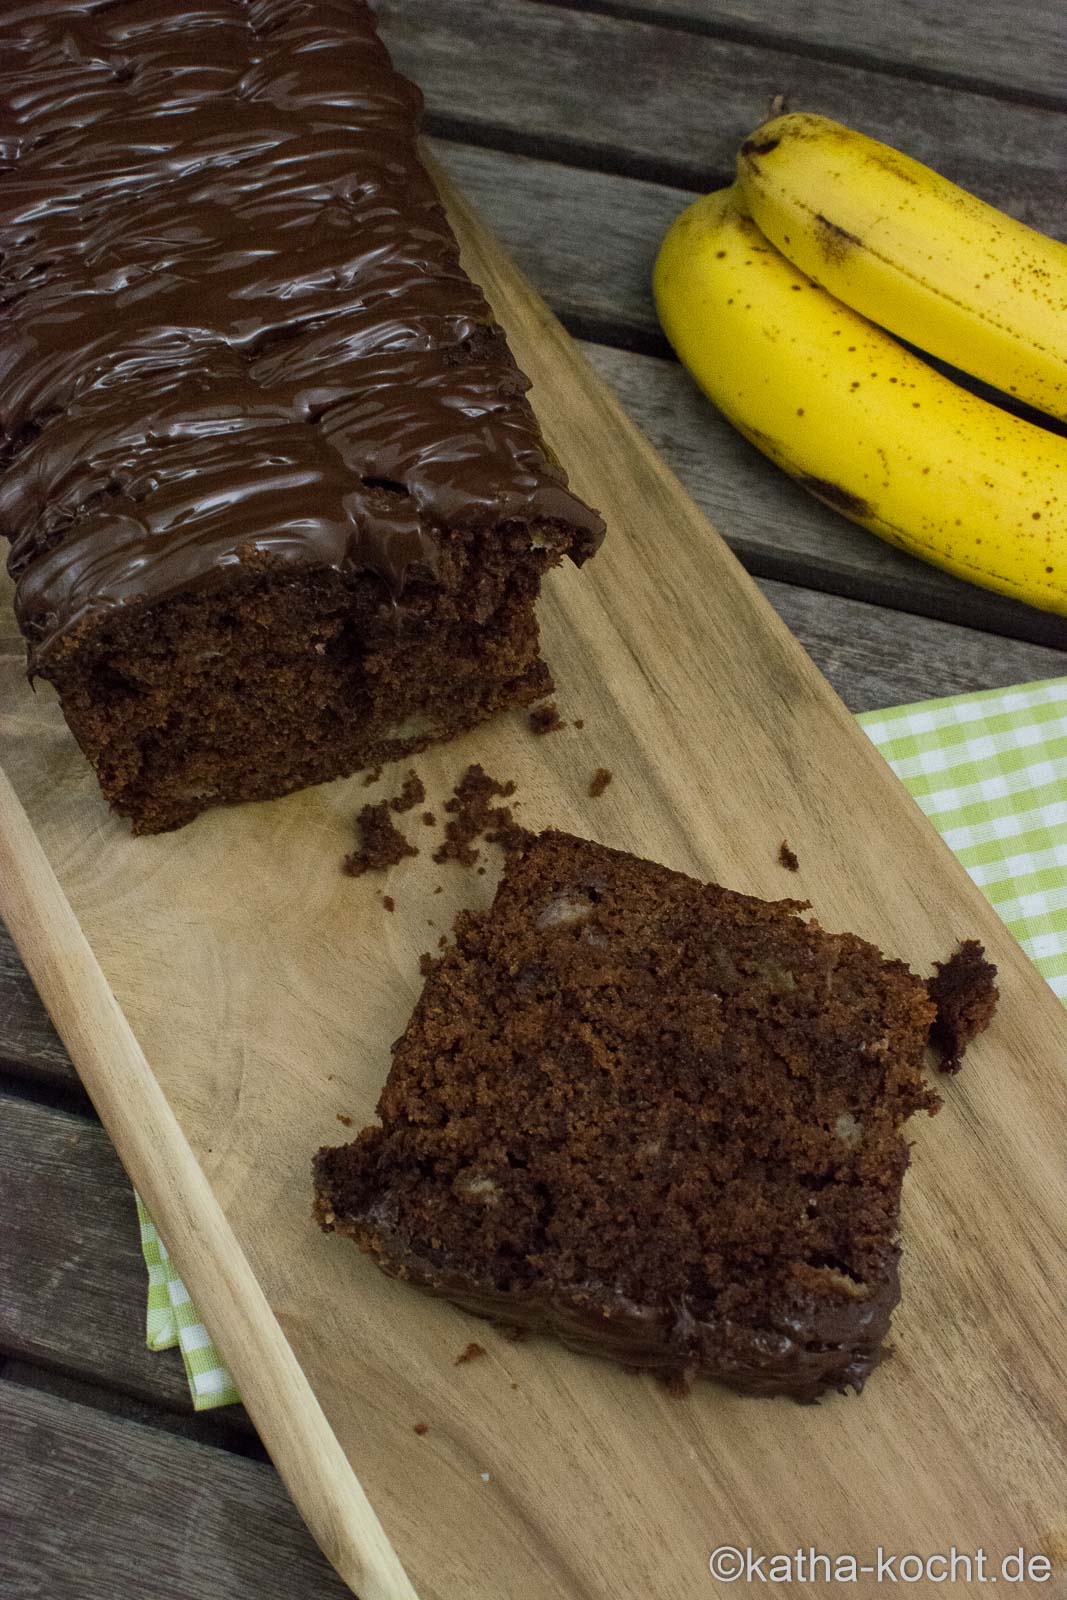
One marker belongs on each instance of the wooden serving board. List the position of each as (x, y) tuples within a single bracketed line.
[(226, 992)]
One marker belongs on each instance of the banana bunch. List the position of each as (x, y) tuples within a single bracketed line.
[(777, 294)]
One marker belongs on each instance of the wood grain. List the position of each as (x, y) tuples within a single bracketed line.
[(979, 41), (156, 1152), (261, 984), (872, 657), (203, 1522), (29, 1044), (623, 95), (72, 1277), (586, 240), (876, 658)]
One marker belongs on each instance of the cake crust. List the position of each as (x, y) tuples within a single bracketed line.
[(653, 1117)]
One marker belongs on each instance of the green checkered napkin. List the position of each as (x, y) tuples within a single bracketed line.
[(173, 1319), (988, 769), (990, 772)]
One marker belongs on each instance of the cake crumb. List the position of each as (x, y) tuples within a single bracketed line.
[(471, 815), (412, 793), (429, 819), (440, 889), (342, 1116), (382, 844), (509, 834), (442, 941), (787, 857), (546, 719), (599, 782), (372, 777), (425, 963), (388, 902), (470, 1353), (964, 990), (421, 1428)]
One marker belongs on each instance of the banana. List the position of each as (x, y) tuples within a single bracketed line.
[(862, 423), (914, 253)]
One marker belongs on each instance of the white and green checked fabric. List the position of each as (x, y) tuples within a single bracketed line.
[(174, 1320), (990, 772), (988, 769)]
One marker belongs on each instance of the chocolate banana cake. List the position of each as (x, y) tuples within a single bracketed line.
[(657, 1118), (279, 507)]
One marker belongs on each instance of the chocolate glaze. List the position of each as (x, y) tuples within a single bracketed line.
[(234, 312), (826, 1342)]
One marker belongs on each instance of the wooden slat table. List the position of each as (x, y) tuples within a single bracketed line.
[(579, 128)]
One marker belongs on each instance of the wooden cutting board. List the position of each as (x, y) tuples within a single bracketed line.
[(227, 993)]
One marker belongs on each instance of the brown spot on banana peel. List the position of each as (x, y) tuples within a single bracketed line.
[(832, 494), (764, 442), (836, 241), (758, 147), (839, 499), (824, 489), (890, 161)]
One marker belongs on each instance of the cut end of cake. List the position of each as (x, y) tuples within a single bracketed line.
[(654, 1117), (287, 679)]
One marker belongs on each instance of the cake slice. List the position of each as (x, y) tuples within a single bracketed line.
[(278, 506), (657, 1118)]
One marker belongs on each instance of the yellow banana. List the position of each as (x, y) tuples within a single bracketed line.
[(907, 248), (858, 420)]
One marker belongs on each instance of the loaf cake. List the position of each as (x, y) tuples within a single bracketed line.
[(657, 1118), (279, 507)]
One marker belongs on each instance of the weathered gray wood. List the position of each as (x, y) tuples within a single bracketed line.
[(876, 658), (72, 1279), (994, 43), (633, 97), (99, 1508), (587, 241), (28, 1042), (224, 1427)]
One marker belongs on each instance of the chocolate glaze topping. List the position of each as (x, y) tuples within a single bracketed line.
[(822, 1344), (234, 316)]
